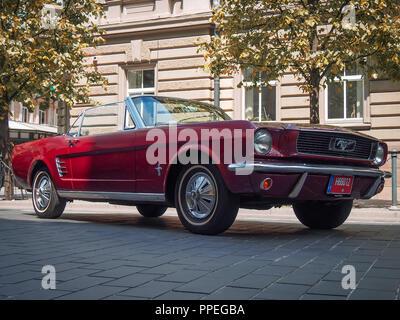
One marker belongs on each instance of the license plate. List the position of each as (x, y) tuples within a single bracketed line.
[(340, 184)]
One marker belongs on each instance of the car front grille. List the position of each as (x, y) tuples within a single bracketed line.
[(326, 143)]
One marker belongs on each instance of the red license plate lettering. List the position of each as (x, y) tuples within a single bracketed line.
[(340, 184)]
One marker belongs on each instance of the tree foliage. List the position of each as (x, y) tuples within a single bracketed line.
[(313, 39), (39, 60), (44, 58)]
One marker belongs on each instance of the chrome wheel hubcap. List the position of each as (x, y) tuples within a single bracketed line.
[(42, 193), (200, 195)]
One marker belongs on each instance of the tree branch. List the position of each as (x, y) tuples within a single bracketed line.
[(17, 7), (327, 37)]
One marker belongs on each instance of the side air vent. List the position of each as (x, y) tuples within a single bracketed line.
[(61, 168)]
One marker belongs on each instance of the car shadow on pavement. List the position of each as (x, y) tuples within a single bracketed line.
[(124, 219), (240, 228)]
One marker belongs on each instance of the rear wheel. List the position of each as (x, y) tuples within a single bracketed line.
[(323, 214), (203, 202), (46, 202), (151, 210)]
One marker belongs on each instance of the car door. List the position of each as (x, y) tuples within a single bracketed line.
[(102, 155)]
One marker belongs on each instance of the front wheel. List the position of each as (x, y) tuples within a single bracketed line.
[(203, 202), (46, 202), (323, 214), (151, 210)]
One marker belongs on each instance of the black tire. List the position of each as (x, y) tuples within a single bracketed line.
[(220, 206), (323, 214), (151, 210), (43, 188)]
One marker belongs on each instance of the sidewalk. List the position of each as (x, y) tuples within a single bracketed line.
[(103, 251), (370, 203), (360, 214)]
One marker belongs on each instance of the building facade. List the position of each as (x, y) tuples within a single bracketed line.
[(26, 126), (152, 48)]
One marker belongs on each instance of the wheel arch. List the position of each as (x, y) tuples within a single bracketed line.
[(175, 167), (35, 167)]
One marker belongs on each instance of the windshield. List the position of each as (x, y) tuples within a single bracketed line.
[(157, 111)]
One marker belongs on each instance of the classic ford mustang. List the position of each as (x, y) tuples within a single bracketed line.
[(157, 152)]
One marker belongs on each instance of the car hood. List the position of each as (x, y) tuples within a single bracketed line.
[(306, 126), (299, 126)]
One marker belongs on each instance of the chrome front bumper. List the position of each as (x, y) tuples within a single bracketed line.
[(310, 168), (305, 169)]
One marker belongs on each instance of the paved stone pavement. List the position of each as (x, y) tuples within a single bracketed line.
[(102, 251)]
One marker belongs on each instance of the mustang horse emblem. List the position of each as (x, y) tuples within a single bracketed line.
[(340, 144)]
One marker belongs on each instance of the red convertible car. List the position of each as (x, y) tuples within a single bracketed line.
[(157, 152)]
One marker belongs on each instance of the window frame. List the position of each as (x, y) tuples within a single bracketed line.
[(273, 83), (141, 91), (42, 113), (55, 120), (25, 114), (352, 78)]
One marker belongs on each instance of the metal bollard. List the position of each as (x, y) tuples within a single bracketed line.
[(394, 180)]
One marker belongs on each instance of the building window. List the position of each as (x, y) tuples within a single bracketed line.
[(55, 120), (259, 102), (346, 97), (42, 117), (25, 114), (140, 82)]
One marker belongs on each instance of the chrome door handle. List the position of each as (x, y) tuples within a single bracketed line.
[(72, 142)]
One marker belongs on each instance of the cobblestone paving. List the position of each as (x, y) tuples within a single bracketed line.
[(120, 255)]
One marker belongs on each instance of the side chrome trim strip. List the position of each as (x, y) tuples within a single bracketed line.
[(310, 168), (126, 196)]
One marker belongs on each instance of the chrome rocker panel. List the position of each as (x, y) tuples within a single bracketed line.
[(122, 196)]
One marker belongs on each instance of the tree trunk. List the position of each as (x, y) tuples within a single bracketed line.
[(314, 105), (63, 117), (5, 152)]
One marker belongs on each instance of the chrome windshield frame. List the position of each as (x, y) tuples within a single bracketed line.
[(134, 113), (140, 121)]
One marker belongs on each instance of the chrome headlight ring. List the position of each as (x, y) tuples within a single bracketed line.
[(379, 155), (262, 141)]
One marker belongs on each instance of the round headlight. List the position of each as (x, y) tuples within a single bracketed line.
[(262, 141), (379, 154)]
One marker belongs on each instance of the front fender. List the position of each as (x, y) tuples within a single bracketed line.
[(36, 163), (235, 183)]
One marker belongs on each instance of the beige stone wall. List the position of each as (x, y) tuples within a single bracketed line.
[(385, 122), (159, 34), (294, 104)]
